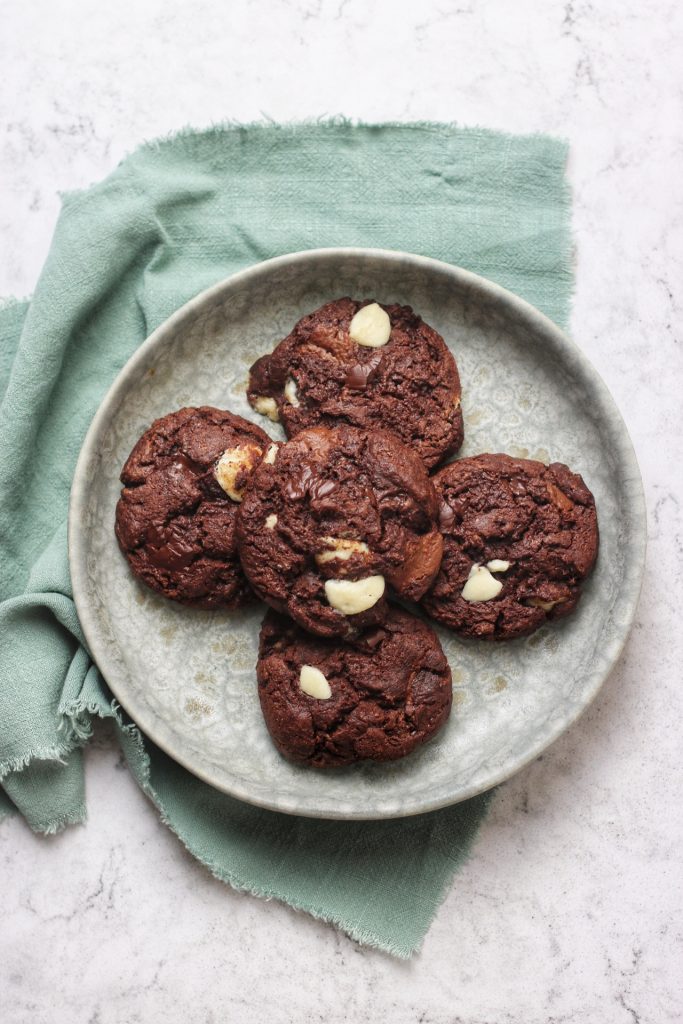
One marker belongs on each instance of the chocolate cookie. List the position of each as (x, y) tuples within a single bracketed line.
[(333, 516), (372, 366), (375, 696), (175, 519), (519, 538)]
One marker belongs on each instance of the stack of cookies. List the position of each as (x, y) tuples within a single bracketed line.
[(341, 529)]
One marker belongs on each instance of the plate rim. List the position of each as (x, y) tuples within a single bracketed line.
[(632, 481)]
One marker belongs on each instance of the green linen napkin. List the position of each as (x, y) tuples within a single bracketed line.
[(173, 218)]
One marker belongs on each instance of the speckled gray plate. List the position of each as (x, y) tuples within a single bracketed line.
[(188, 677)]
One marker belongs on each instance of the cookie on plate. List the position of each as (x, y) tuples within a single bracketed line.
[(334, 518), (376, 696), (175, 519), (519, 539), (368, 365)]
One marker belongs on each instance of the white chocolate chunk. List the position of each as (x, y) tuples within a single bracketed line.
[(232, 462), (350, 597), (340, 548), (271, 521), (371, 326), (313, 683), (270, 455), (481, 586), (547, 606), (267, 407), (498, 565), (291, 393)]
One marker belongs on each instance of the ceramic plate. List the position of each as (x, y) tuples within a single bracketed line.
[(187, 677)]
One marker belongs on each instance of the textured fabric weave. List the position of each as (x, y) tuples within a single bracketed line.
[(174, 218)]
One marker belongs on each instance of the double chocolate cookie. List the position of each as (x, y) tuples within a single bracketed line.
[(519, 539), (175, 519), (368, 365), (375, 696), (331, 520)]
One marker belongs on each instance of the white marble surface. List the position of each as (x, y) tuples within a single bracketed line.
[(570, 908)]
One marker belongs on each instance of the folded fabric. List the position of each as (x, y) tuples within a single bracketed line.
[(173, 218)]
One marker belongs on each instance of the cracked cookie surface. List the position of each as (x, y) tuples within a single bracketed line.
[(319, 375), (339, 507), (174, 522), (519, 539), (389, 690)]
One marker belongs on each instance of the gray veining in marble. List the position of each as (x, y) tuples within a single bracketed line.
[(570, 908)]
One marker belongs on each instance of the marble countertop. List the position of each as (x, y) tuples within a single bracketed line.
[(570, 908)]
